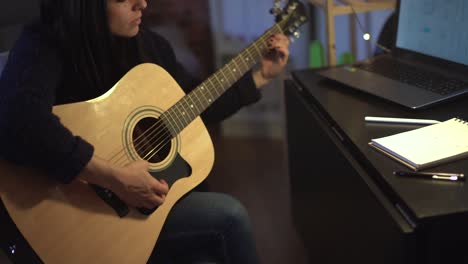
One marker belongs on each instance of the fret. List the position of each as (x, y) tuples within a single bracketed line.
[(194, 103), (238, 68), (204, 103), (210, 97), (188, 109), (280, 30), (182, 112), (247, 58), (240, 65), (179, 113), (201, 100), (255, 53), (264, 43), (199, 93), (220, 82), (222, 79), (171, 124), (232, 71), (242, 57), (216, 83), (213, 87), (259, 52), (229, 82)]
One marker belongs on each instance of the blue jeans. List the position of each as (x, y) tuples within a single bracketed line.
[(206, 227)]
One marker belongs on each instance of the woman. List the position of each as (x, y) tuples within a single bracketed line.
[(77, 51)]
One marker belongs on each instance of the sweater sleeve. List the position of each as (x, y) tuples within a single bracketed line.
[(240, 94), (30, 134)]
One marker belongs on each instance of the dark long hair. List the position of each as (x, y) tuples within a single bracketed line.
[(83, 34)]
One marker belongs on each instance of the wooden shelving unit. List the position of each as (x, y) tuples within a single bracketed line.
[(345, 7)]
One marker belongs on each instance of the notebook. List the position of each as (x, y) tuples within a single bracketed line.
[(427, 146), (428, 63)]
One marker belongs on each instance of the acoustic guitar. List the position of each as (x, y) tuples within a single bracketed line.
[(146, 115)]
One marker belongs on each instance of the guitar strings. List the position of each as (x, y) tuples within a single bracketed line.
[(178, 105), (158, 148), (146, 141), (142, 141), (160, 145), (155, 150)]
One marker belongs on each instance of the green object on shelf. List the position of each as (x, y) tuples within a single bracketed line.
[(346, 58), (316, 55)]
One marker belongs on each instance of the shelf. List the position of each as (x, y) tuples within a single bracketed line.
[(346, 7)]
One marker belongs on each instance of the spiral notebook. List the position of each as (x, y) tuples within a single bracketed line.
[(427, 146)]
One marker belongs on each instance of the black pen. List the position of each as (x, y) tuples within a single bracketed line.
[(444, 176)]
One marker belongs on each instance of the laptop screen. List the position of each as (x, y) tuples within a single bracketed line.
[(434, 27)]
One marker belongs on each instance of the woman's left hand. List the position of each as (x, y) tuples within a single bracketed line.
[(274, 61)]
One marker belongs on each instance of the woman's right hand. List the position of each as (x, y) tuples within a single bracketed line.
[(137, 187), (132, 183)]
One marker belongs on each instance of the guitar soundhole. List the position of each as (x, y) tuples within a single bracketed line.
[(152, 140)]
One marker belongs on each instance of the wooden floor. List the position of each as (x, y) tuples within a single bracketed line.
[(253, 169)]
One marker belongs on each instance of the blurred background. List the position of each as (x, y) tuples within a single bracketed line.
[(207, 33), (250, 149)]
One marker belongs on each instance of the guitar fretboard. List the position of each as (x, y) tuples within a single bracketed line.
[(193, 104)]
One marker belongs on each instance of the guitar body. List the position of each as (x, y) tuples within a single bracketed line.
[(70, 223), (144, 116)]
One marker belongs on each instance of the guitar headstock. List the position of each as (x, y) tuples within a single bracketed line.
[(290, 17)]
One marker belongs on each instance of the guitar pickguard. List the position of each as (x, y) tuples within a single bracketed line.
[(177, 170)]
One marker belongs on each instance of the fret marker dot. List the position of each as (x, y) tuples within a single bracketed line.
[(191, 106), (209, 100)]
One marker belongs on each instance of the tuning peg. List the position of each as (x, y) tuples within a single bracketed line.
[(292, 7), (291, 30), (278, 2), (297, 34), (276, 10)]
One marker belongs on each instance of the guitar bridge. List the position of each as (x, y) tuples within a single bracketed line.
[(112, 200)]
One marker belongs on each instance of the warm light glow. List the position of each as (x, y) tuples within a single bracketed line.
[(366, 36)]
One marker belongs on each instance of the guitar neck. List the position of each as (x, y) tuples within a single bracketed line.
[(193, 104)]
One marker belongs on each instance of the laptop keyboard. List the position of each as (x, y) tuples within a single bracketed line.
[(409, 74)]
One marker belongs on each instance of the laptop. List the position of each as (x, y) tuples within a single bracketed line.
[(429, 62)]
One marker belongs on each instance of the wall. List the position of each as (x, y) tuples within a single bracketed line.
[(186, 25), (235, 24), (371, 22)]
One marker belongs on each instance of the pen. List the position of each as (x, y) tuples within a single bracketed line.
[(444, 176), (400, 120)]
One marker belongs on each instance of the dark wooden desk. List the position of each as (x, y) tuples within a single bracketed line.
[(347, 204)]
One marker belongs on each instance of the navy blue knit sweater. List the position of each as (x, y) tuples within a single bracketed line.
[(36, 77)]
